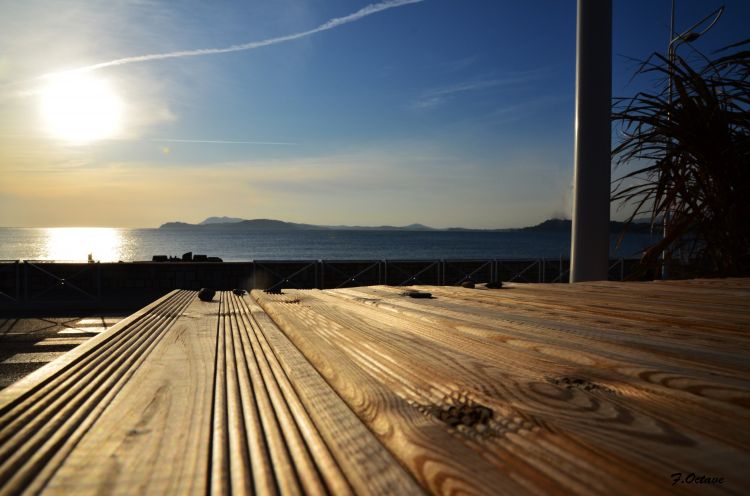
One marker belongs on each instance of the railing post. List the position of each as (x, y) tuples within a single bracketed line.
[(26, 280)]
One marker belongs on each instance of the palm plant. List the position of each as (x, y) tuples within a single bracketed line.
[(687, 160)]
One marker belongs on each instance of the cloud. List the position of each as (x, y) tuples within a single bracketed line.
[(224, 142), (440, 95), (330, 24), (396, 184), (460, 64)]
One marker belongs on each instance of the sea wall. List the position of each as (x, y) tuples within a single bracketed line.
[(37, 285)]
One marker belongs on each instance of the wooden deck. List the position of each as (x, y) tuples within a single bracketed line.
[(599, 388)]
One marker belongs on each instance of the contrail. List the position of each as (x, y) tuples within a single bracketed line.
[(223, 142), (332, 23)]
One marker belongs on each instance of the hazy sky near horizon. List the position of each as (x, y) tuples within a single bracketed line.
[(443, 112)]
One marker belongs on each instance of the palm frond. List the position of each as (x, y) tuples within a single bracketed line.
[(686, 155)]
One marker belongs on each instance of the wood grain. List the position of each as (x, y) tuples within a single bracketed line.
[(190, 397), (592, 391), (154, 437), (595, 388), (43, 424), (367, 465)]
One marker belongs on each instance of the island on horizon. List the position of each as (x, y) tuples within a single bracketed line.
[(549, 225)]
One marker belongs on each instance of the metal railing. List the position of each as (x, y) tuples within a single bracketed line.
[(39, 282), (59, 279), (12, 283)]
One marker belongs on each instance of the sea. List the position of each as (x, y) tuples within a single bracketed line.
[(126, 245)]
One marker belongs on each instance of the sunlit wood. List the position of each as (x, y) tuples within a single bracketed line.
[(597, 388)]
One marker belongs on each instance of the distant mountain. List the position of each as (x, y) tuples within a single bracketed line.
[(176, 225), (550, 225), (615, 227), (418, 227), (410, 227), (468, 229), (254, 224), (270, 224), (220, 220)]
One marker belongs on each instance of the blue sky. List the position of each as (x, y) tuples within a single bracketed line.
[(444, 112)]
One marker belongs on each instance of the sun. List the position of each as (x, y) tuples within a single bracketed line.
[(80, 108)]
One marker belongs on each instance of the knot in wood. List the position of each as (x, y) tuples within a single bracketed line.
[(467, 415), (578, 383), (417, 294)]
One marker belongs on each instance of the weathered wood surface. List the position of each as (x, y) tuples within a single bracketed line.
[(597, 388), (600, 388), (189, 397)]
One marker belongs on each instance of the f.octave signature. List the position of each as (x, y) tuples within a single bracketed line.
[(693, 478)]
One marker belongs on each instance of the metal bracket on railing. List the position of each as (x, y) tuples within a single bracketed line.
[(412, 278), (469, 275), (520, 274), (350, 279), (62, 282), (283, 280), (561, 273), (560, 276)]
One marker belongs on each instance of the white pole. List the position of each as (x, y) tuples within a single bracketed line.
[(590, 236)]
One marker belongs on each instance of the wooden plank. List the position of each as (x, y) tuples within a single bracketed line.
[(41, 375), (154, 437), (717, 354), (421, 443), (189, 398), (600, 303), (650, 300), (523, 347), (367, 465), (630, 426), (42, 422), (278, 427), (285, 467), (533, 389), (401, 407), (584, 336), (657, 333)]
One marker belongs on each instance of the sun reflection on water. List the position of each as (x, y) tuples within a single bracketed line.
[(76, 243)]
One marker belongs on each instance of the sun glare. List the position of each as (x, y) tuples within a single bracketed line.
[(76, 243), (81, 108)]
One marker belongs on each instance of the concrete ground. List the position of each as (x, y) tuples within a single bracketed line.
[(27, 343)]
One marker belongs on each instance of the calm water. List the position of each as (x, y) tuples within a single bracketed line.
[(113, 244)]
